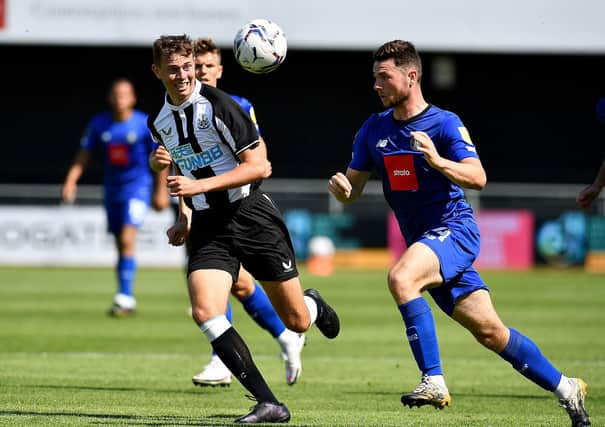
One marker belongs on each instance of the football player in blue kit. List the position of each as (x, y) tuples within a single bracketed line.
[(425, 157), (122, 138), (590, 193), (208, 70)]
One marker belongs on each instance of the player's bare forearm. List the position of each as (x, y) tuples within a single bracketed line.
[(73, 175), (599, 180), (467, 173), (253, 167), (348, 188)]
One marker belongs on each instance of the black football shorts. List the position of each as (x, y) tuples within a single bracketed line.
[(250, 231)]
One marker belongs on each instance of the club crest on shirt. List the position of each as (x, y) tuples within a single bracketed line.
[(203, 122)]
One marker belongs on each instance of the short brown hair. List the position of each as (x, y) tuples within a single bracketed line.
[(205, 45), (404, 54), (165, 46)]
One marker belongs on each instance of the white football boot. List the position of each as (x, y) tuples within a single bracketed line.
[(428, 392), (123, 305), (214, 373), (291, 344), (574, 405)]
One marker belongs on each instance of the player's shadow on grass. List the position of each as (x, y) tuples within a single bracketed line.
[(217, 420), (111, 388), (117, 419), (474, 395)]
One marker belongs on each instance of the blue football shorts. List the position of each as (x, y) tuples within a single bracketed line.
[(456, 243), (127, 212)]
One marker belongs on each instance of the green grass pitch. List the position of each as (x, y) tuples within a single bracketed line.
[(64, 362)]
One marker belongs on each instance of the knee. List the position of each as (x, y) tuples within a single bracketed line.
[(492, 337), (200, 315), (400, 282)]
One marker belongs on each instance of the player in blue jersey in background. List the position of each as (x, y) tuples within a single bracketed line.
[(208, 69), (425, 156), (123, 140), (591, 193)]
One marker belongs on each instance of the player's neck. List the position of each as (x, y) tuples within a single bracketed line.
[(122, 116), (411, 107)]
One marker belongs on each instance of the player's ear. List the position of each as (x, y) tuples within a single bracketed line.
[(220, 71), (413, 76), (155, 69)]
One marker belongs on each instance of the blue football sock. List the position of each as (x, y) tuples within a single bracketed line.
[(229, 312), (127, 267), (525, 356), (258, 306), (420, 330)]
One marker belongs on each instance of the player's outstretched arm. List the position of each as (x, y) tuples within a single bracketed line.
[(348, 188)]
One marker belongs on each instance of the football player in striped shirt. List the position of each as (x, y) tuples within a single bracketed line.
[(425, 158), (226, 218), (122, 139), (208, 70)]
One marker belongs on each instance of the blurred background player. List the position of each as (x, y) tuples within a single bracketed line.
[(590, 193), (208, 69), (122, 138), (425, 157)]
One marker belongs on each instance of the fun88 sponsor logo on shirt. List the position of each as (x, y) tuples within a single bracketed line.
[(187, 159)]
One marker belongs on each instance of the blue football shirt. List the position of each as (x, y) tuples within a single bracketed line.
[(419, 195), (248, 108), (125, 147)]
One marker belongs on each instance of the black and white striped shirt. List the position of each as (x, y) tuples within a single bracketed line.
[(204, 136)]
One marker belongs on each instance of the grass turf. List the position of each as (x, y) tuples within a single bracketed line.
[(64, 362)]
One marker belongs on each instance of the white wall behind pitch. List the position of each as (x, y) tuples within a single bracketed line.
[(77, 236), (545, 26)]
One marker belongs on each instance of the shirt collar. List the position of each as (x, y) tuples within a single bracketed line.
[(195, 95)]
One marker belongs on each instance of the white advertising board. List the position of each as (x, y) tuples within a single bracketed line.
[(77, 236), (444, 25)]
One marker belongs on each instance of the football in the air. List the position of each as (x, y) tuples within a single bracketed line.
[(260, 46)]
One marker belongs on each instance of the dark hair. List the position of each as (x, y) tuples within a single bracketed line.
[(118, 80), (403, 53), (205, 45), (165, 46)]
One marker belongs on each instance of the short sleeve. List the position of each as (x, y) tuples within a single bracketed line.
[(361, 157), (90, 138), (234, 124), (457, 140)]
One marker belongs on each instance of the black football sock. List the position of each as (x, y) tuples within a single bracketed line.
[(234, 353)]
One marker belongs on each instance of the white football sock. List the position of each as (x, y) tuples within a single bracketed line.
[(564, 389), (312, 307), (439, 380), (215, 327)]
